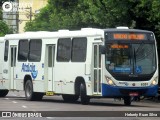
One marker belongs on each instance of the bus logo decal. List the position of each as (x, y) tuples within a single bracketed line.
[(30, 68), (125, 83), (138, 69)]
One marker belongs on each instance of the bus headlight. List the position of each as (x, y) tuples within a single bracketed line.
[(155, 81), (110, 81)]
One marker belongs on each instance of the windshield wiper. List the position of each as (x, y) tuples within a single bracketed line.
[(135, 59)]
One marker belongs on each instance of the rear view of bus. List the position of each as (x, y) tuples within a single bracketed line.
[(131, 64)]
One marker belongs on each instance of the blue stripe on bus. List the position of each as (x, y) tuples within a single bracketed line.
[(114, 91)]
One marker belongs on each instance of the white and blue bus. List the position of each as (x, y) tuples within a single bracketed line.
[(87, 63), (3, 90)]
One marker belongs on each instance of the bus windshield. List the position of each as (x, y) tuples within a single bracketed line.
[(135, 59)]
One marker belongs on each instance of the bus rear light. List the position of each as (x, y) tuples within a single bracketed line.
[(110, 81)]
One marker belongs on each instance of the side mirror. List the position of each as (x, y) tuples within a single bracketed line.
[(102, 49)]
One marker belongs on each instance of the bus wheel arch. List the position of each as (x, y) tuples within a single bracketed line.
[(29, 92), (78, 82), (81, 90), (27, 77)]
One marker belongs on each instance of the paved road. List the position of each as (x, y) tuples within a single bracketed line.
[(15, 101)]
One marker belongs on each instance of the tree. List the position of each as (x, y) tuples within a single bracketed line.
[(76, 14), (4, 29)]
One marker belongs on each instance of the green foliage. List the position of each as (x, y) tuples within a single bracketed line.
[(76, 14), (4, 29), (1, 14)]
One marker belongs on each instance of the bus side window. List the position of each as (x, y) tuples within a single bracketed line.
[(23, 50), (64, 50), (79, 48), (35, 48), (6, 51)]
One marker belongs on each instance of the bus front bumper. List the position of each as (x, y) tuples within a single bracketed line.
[(116, 91)]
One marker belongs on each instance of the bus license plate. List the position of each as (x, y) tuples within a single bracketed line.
[(49, 93), (133, 94)]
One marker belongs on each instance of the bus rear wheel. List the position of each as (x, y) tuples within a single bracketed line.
[(83, 94), (29, 94), (70, 98), (3, 93), (127, 101)]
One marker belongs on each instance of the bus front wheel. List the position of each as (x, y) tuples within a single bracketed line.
[(127, 100), (29, 94), (83, 95), (3, 93)]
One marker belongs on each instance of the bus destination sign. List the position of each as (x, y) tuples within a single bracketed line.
[(130, 36)]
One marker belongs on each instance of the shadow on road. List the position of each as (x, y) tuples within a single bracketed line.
[(94, 102)]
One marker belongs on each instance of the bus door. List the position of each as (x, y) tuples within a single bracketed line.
[(97, 71), (13, 50), (50, 53)]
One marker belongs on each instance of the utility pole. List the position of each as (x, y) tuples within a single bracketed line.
[(13, 18), (30, 14)]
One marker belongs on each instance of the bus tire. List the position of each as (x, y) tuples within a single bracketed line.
[(3, 93), (29, 94), (83, 95), (127, 101), (70, 98)]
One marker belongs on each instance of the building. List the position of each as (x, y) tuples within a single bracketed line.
[(11, 16), (28, 8), (22, 11)]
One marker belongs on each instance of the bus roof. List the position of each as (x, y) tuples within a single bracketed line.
[(67, 33), (126, 30), (59, 34)]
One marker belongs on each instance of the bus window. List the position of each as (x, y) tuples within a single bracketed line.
[(6, 51), (144, 55), (131, 59), (64, 50), (23, 50), (35, 50), (118, 58), (79, 48)]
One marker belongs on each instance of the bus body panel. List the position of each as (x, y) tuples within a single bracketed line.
[(1, 61), (117, 91)]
